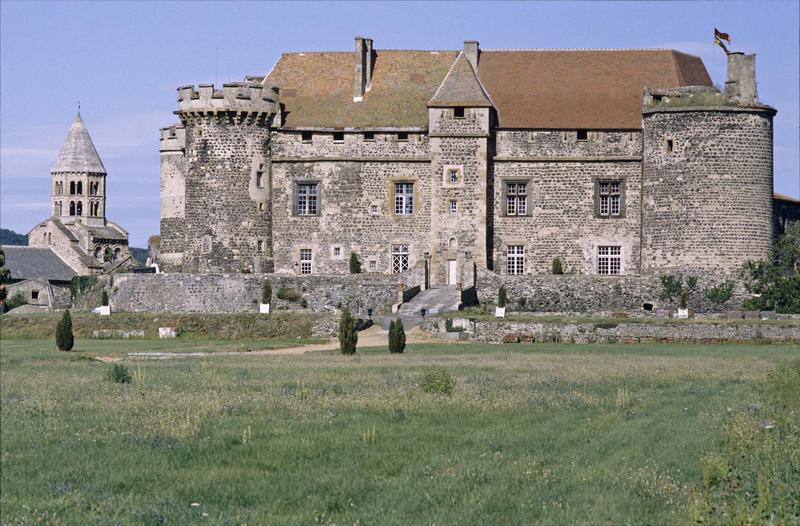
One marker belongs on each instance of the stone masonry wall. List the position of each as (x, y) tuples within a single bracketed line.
[(708, 201), (173, 197), (242, 292), (565, 143)]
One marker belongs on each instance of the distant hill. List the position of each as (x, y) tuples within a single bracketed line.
[(139, 254), (9, 237)]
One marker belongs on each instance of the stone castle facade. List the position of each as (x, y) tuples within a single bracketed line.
[(614, 162)]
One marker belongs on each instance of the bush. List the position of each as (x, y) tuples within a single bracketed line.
[(502, 297), (521, 302), (17, 299), (118, 374), (776, 283), (348, 336), (557, 268), (289, 294), (397, 336), (266, 292), (304, 303), (719, 294), (104, 299), (355, 264), (438, 382), (65, 340), (671, 287)]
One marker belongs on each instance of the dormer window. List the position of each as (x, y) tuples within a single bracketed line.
[(338, 137), (583, 135), (307, 136), (402, 137), (458, 112)]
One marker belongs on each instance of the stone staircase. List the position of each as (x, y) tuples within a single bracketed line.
[(433, 300)]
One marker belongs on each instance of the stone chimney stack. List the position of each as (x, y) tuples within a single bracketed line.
[(364, 59), (472, 52), (740, 85)]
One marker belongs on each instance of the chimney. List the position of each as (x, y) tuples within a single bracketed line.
[(740, 85), (370, 59), (363, 67), (472, 52)]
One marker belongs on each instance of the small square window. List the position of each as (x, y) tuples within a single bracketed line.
[(458, 112), (369, 136), (262, 206), (453, 206), (402, 137), (34, 294), (338, 137), (373, 209), (307, 136), (583, 135), (337, 251)]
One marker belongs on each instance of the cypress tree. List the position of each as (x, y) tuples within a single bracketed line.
[(266, 292), (348, 336), (557, 268), (397, 336), (355, 264), (64, 337), (104, 299), (502, 297)]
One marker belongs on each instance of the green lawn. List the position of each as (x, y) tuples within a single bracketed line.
[(549, 434)]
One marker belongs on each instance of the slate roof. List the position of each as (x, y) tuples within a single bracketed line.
[(461, 87), (569, 89), (78, 153), (32, 262)]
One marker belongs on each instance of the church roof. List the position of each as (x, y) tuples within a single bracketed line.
[(595, 89), (460, 87), (31, 262), (78, 153)]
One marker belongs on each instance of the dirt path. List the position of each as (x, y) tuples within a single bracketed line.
[(372, 337)]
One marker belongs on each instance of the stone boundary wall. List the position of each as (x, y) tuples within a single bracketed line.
[(622, 332), (242, 292), (588, 293)]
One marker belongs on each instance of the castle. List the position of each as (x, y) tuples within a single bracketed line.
[(614, 162)]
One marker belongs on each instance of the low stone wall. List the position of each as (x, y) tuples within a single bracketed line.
[(587, 293), (622, 332), (242, 292)]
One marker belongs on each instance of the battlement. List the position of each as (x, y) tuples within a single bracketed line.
[(173, 138), (247, 97)]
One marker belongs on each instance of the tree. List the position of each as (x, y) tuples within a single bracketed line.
[(776, 282), (104, 298), (397, 336), (348, 336), (557, 268), (64, 337), (266, 292), (355, 264), (5, 274), (502, 297)]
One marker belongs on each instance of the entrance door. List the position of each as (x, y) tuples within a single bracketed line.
[(451, 271)]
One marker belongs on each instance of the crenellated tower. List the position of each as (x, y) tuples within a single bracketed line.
[(215, 179)]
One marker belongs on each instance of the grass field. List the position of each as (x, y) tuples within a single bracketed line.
[(548, 434)]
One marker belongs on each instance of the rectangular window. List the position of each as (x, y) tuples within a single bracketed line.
[(34, 294), (402, 137), (516, 199), (337, 251), (453, 206), (452, 175), (338, 137), (260, 246), (404, 198), (583, 135), (399, 258), (515, 259), (305, 261), (262, 206), (307, 199), (669, 146), (609, 194), (373, 209), (608, 260), (260, 179), (373, 265), (307, 136), (369, 136), (458, 112)]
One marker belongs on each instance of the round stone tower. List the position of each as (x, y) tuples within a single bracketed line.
[(225, 194), (707, 177)]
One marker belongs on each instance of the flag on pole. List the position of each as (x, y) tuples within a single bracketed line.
[(719, 37)]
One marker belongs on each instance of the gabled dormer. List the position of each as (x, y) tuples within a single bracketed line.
[(461, 105)]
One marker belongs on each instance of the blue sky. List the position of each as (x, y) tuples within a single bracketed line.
[(124, 61)]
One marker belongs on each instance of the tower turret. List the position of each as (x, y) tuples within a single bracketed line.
[(79, 179)]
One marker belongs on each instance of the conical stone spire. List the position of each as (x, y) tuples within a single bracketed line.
[(78, 155)]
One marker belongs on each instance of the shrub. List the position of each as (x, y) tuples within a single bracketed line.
[(348, 336), (65, 340), (719, 294), (521, 302), (355, 264), (289, 294), (438, 382), (266, 292), (16, 299), (118, 374), (304, 303), (397, 336), (557, 268), (502, 297), (449, 327), (104, 299), (670, 286), (776, 282)]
